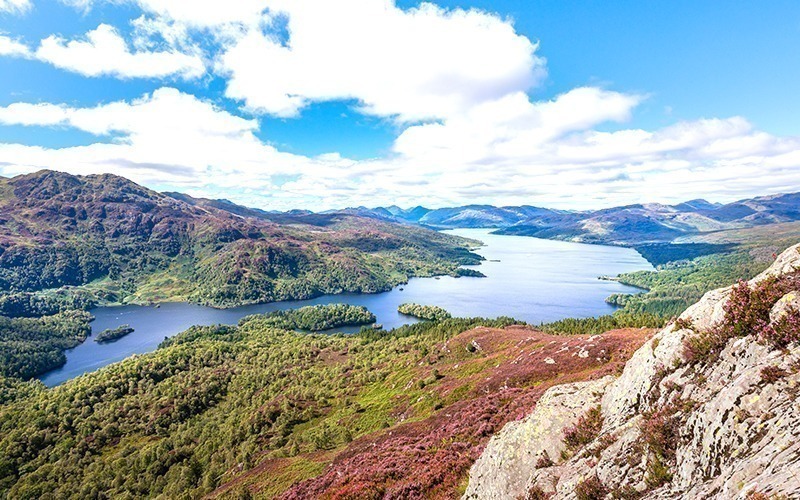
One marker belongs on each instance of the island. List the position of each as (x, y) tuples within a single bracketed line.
[(110, 334), (317, 318), (430, 313)]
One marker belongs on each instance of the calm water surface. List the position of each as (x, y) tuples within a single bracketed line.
[(530, 279)]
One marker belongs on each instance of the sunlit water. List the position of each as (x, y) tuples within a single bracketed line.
[(530, 279)]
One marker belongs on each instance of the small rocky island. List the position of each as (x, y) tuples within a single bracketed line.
[(110, 334)]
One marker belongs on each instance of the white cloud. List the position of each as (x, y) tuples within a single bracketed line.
[(417, 64), (424, 63), (195, 13), (13, 48), (15, 6), (165, 137), (105, 52), (508, 151), (458, 80)]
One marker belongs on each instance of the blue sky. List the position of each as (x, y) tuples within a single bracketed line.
[(572, 104)]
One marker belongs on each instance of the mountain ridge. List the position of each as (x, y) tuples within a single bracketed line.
[(628, 225)]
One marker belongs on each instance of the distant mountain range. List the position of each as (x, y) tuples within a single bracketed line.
[(628, 225)]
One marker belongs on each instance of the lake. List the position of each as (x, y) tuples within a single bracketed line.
[(529, 279)]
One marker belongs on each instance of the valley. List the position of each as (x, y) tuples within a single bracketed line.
[(536, 281), (205, 390)]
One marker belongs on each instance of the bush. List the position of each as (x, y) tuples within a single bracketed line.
[(544, 461), (747, 313), (661, 432), (771, 374), (585, 430), (535, 493), (591, 489)]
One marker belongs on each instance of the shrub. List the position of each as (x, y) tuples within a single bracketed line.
[(682, 324), (784, 331), (771, 374), (661, 432), (544, 461), (585, 430), (747, 313), (535, 493), (626, 493), (757, 495), (591, 489)]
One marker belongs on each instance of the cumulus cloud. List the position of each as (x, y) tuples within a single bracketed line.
[(164, 137), (457, 81), (105, 52), (15, 6), (508, 151), (13, 48), (417, 64), (197, 13)]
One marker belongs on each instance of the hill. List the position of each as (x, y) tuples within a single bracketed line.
[(260, 411), (126, 243)]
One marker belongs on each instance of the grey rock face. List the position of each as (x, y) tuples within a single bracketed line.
[(738, 420), (504, 468)]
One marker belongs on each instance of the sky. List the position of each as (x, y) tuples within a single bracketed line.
[(325, 104)]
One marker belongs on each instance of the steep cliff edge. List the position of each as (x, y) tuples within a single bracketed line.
[(708, 408)]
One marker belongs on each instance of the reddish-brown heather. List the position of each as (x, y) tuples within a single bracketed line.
[(431, 457)]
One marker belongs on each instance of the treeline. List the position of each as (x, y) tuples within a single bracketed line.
[(662, 253), (36, 304), (32, 346), (431, 313), (677, 285), (211, 404), (594, 326)]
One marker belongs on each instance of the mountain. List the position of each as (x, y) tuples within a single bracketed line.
[(707, 408), (125, 242), (631, 225)]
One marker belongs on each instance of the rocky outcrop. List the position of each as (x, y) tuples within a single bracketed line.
[(504, 468), (673, 427)]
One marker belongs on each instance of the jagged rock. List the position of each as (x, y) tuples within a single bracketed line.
[(738, 418), (510, 458)]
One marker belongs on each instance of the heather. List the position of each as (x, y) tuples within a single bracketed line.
[(585, 430), (747, 312)]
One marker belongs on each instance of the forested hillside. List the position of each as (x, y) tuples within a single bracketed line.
[(124, 242), (255, 410)]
